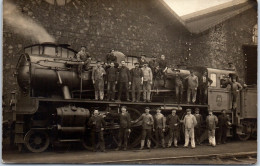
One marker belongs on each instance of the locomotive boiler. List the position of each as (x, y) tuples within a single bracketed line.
[(56, 99)]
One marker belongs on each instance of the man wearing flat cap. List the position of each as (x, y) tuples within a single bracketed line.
[(137, 81), (211, 122), (147, 125), (189, 122)]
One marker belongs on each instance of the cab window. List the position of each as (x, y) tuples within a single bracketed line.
[(213, 77), (35, 50), (51, 51)]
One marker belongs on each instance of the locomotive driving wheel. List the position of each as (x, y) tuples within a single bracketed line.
[(247, 130), (37, 141)]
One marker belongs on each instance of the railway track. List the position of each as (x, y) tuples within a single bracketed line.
[(224, 158)]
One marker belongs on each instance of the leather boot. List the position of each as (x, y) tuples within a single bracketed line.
[(142, 145)]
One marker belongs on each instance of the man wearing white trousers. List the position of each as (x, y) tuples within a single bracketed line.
[(211, 122), (189, 122)]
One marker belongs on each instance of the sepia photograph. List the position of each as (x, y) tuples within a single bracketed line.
[(129, 82)]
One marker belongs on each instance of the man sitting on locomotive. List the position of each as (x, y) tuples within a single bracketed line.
[(142, 60), (84, 56), (97, 123), (98, 73), (192, 87), (110, 57), (124, 80), (205, 82)]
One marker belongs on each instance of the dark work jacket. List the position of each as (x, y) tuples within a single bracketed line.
[(157, 74), (124, 75), (199, 120), (136, 75), (171, 120), (206, 83), (96, 123), (112, 74), (125, 119), (162, 64), (223, 120)]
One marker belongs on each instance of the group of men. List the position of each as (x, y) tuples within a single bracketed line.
[(158, 124), (147, 76)]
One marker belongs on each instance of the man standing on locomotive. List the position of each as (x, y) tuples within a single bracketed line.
[(124, 80), (125, 125), (98, 73), (178, 86), (223, 123), (198, 126), (163, 66), (159, 127), (147, 82), (205, 82), (189, 123), (97, 124), (211, 122), (173, 122), (147, 125), (137, 81), (235, 88), (192, 87), (111, 81)]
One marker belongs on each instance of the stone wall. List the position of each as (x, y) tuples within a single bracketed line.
[(133, 27), (223, 43)]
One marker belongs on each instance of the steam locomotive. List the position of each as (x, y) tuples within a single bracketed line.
[(55, 100)]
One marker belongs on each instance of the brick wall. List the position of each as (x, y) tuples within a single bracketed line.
[(131, 26)]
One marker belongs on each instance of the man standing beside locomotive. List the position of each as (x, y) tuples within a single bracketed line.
[(159, 127), (137, 81), (125, 125), (192, 87), (205, 82), (189, 123), (111, 81), (211, 122), (147, 82), (97, 124), (198, 126), (124, 80), (173, 122), (98, 73), (147, 125), (223, 123)]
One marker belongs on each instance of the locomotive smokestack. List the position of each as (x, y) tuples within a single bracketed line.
[(23, 25)]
